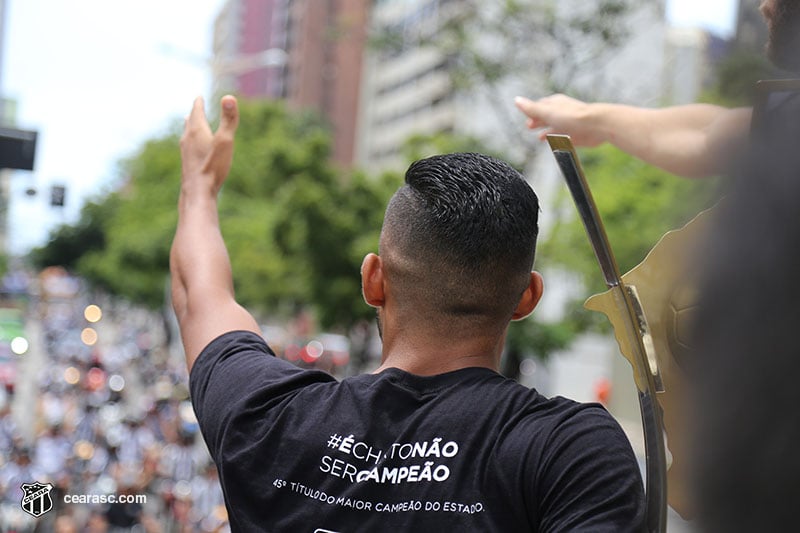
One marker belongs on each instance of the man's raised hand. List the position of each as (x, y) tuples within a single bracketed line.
[(206, 156)]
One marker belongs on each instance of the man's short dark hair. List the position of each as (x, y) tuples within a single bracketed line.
[(459, 237)]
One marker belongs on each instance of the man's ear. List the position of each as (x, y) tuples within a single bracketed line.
[(372, 280), (530, 297)]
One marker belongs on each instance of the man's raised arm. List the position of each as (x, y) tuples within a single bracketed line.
[(202, 282), (692, 140)]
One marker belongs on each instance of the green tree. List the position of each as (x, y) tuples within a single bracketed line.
[(495, 50), (638, 203), (69, 242), (326, 229), (736, 76), (139, 225), (296, 229)]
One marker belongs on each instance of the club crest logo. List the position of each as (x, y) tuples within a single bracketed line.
[(36, 501)]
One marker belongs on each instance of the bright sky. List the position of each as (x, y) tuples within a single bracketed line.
[(718, 16), (93, 77)]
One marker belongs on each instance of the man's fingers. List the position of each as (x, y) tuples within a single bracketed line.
[(524, 104), (198, 110), (532, 111), (229, 119), (195, 123)]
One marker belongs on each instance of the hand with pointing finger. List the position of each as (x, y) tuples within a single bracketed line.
[(563, 115)]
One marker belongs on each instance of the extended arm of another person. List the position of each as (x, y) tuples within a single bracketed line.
[(202, 281), (692, 140)]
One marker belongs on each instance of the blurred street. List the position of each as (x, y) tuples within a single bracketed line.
[(99, 407)]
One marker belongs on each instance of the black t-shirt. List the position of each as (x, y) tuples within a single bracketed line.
[(463, 451)]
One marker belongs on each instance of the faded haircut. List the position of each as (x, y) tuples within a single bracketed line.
[(459, 237)]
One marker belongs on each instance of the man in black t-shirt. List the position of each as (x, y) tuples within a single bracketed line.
[(434, 439)]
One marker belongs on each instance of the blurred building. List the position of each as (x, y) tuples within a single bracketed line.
[(406, 87), (306, 52), (326, 53), (244, 32), (690, 58), (751, 30)]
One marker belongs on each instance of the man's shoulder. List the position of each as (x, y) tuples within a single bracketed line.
[(558, 415), (244, 350), (239, 369)]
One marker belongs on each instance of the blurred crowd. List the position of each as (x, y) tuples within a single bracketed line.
[(109, 414)]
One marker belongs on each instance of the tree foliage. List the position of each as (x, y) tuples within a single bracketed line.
[(736, 76), (549, 40), (134, 258), (638, 203), (296, 229), (495, 50), (489, 42), (68, 243)]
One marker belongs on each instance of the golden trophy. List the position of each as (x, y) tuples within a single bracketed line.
[(650, 308)]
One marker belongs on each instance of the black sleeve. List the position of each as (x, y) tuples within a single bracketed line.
[(589, 478), (237, 374)]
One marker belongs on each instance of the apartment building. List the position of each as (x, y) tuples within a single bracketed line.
[(307, 52)]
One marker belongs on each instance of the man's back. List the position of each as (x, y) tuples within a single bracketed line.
[(462, 451)]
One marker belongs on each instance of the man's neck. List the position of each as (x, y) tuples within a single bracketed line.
[(432, 355)]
